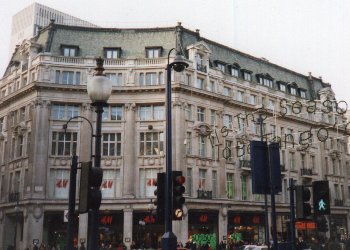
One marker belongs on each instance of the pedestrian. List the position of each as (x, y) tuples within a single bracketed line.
[(82, 246)]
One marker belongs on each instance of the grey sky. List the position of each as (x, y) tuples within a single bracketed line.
[(304, 36)]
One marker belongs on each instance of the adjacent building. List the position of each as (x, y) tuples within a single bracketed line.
[(215, 108)]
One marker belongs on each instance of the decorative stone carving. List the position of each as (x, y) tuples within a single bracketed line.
[(130, 106), (37, 212), (203, 129)]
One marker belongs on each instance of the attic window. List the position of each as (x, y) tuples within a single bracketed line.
[(69, 50), (153, 52), (247, 75), (112, 53), (221, 66), (302, 93), (265, 79), (282, 86)]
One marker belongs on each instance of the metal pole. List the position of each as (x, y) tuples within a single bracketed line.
[(267, 236), (94, 213), (273, 207), (169, 239), (71, 204), (292, 214)]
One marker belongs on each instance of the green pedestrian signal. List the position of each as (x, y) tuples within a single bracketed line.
[(321, 205), (321, 197)]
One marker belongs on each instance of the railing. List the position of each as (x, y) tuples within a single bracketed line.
[(244, 164), (305, 171), (204, 194), (150, 61), (113, 62), (69, 60), (202, 68), (338, 202)]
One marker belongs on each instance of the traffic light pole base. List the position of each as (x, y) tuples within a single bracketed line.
[(169, 241)]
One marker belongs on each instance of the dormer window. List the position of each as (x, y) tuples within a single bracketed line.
[(293, 90), (234, 72), (302, 93), (221, 66), (281, 86), (153, 52), (200, 63), (112, 53), (69, 50), (247, 75), (265, 79)]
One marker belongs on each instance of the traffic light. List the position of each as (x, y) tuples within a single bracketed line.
[(178, 199), (303, 207), (321, 202), (90, 181), (159, 193), (322, 224)]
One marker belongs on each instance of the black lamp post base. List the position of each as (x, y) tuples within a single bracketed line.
[(169, 241)]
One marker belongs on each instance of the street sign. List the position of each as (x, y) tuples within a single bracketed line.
[(65, 215)]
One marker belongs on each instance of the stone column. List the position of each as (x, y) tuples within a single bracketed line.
[(40, 131), (127, 230), (179, 135), (33, 225), (222, 223), (129, 165), (83, 228)]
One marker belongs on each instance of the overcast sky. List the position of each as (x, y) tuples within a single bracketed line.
[(302, 35)]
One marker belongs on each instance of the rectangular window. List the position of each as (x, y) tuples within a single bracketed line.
[(302, 93), (227, 91), (2, 124), (64, 111), (113, 113), (111, 185), (111, 144), (151, 143), (70, 51), (291, 160), (116, 78), (202, 146), (22, 114), (214, 183), (244, 187), (112, 53), (202, 177), (153, 52), (293, 91), (212, 117), (151, 78), (239, 96), (302, 157), (59, 183), (64, 143), (188, 80), (67, 77), (235, 72), (189, 143), (221, 67), (188, 112), (252, 99), (211, 86), (188, 182), (151, 112), (229, 186), (200, 114), (227, 121), (200, 83), (148, 178), (20, 141), (247, 76)]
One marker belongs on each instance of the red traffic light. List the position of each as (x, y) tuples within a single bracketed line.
[(180, 180)]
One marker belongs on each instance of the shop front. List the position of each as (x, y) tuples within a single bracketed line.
[(147, 230), (111, 228), (339, 228), (203, 227), (246, 227)]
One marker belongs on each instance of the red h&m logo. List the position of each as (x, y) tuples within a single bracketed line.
[(203, 218), (107, 184), (106, 220), (61, 183)]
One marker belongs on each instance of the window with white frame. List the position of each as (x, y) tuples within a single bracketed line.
[(111, 144), (2, 119), (61, 111), (229, 186), (116, 78), (151, 78), (252, 99), (111, 186), (282, 87), (59, 183), (113, 113), (221, 66), (20, 143), (151, 112), (302, 93), (234, 71), (67, 77), (271, 105), (153, 52), (22, 114), (293, 91), (228, 151), (214, 183), (151, 143), (188, 112), (244, 187), (148, 180), (227, 121), (241, 124), (188, 182), (188, 80), (273, 129), (214, 154), (188, 143), (247, 76), (202, 178), (200, 83), (211, 86), (303, 163), (213, 117), (291, 160), (64, 143), (226, 91), (112, 53), (265, 81), (239, 96), (312, 163), (200, 114), (202, 145), (69, 50)]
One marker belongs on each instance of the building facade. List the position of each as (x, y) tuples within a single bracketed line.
[(214, 114)]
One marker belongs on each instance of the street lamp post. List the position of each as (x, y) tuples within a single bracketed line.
[(99, 89), (16, 210), (169, 239)]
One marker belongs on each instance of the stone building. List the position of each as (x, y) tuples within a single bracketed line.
[(45, 85)]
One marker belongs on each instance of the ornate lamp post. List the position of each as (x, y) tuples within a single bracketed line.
[(169, 239), (99, 89)]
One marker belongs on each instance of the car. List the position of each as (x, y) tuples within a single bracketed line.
[(253, 247)]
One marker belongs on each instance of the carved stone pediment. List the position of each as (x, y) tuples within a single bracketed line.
[(203, 129)]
